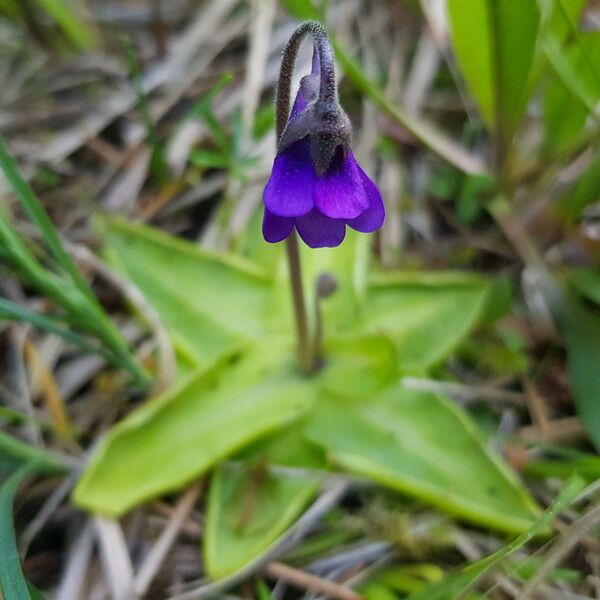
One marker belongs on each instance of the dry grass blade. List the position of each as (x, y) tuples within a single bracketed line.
[(115, 558), (76, 565), (311, 583), (424, 69), (260, 35), (557, 430), (463, 392), (43, 379), (183, 51), (537, 407), (157, 554), (18, 378), (53, 501)]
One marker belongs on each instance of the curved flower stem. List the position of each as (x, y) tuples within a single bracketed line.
[(327, 90), (324, 52)]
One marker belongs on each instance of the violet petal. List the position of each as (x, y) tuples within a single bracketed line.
[(340, 193), (372, 218), (307, 92), (288, 192), (300, 104), (319, 231), (275, 228)]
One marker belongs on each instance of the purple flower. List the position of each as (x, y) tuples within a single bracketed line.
[(316, 184)]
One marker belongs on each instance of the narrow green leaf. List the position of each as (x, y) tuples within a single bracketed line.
[(158, 165), (563, 113), (587, 282), (563, 463), (564, 116), (456, 584), (563, 16), (203, 110), (582, 332), (74, 296), (584, 193), (177, 436), (15, 416), (12, 581), (38, 215), (576, 65), (19, 452), (248, 510), (13, 311), (262, 590), (34, 592), (208, 159), (76, 29), (10, 8), (425, 446), (494, 44)]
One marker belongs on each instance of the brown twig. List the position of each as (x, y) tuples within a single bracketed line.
[(558, 430), (152, 563), (312, 583)]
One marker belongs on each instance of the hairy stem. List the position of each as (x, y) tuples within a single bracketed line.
[(324, 53), (327, 73)]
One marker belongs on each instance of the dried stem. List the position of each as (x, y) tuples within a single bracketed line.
[(312, 583)]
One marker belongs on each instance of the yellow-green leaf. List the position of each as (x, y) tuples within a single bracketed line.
[(425, 314), (248, 510), (425, 446), (211, 304), (178, 435)]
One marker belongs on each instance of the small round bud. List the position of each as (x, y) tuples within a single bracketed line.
[(326, 285)]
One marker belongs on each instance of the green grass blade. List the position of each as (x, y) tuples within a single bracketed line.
[(456, 584), (76, 29), (15, 312), (10, 8), (208, 159), (581, 327), (34, 592), (203, 110), (10, 415), (38, 215), (14, 586), (158, 164), (77, 299), (19, 452)]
